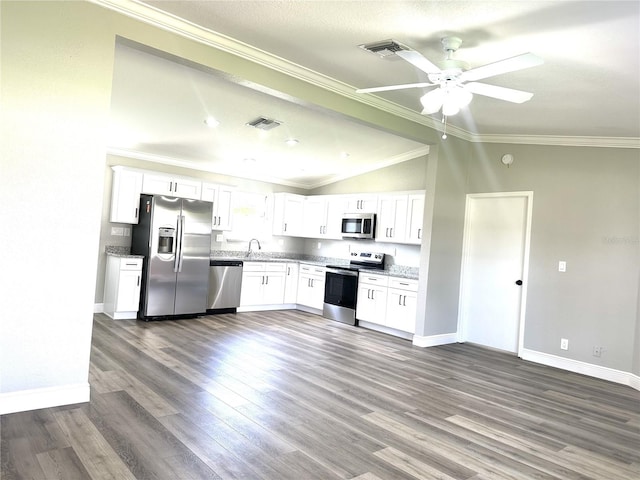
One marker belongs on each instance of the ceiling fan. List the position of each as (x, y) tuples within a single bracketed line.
[(455, 81)]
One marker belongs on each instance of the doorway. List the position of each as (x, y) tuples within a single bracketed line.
[(494, 270)]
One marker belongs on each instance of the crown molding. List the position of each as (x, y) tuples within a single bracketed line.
[(153, 16), (260, 176)]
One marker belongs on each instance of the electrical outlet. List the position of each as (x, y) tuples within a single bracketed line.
[(127, 231), (319, 244), (597, 351), (117, 231), (564, 344)]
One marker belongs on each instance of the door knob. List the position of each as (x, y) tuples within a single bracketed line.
[(518, 282)]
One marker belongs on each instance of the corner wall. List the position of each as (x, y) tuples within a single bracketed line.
[(56, 86), (585, 212)]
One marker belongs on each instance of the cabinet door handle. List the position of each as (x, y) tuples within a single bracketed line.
[(266, 280), (419, 234), (171, 186), (138, 283), (404, 300), (399, 299), (136, 216), (285, 227), (219, 220)]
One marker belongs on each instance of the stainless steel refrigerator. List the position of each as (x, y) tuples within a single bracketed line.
[(174, 235)]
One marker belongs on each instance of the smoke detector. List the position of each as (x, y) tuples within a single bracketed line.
[(384, 48), (263, 123)]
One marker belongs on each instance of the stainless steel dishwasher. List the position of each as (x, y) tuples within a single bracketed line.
[(225, 282)]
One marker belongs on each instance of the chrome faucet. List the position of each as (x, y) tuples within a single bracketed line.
[(250, 242)]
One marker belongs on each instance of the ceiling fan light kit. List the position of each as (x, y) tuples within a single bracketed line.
[(455, 82)]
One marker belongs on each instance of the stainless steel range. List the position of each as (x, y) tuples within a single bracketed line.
[(341, 285)]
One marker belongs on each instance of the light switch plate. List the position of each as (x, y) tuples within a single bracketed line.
[(562, 266)]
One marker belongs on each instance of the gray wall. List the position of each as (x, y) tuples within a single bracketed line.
[(444, 254), (409, 175), (586, 212)]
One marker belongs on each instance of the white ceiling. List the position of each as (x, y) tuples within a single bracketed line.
[(587, 92)]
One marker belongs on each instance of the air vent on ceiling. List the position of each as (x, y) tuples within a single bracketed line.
[(384, 48), (263, 123)]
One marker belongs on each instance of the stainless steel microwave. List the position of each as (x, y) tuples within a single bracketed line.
[(358, 225)]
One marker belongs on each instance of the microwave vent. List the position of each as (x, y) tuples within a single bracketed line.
[(263, 123)]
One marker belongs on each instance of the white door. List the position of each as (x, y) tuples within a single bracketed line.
[(495, 254)]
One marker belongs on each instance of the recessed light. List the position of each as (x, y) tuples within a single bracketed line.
[(211, 122), (291, 142)]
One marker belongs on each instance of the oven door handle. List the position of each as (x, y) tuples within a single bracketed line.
[(349, 273)]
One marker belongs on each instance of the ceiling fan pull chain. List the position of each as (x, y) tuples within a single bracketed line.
[(444, 130)]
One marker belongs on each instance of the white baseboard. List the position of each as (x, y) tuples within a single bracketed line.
[(98, 308), (576, 366), (25, 400), (435, 340), (265, 308)]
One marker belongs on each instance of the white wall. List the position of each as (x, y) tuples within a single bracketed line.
[(55, 76)]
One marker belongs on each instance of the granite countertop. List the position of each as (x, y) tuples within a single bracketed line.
[(122, 252), (400, 271)]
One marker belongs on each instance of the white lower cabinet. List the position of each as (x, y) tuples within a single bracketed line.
[(371, 304), (291, 284), (122, 287), (311, 280), (263, 283), (401, 304), (387, 301)]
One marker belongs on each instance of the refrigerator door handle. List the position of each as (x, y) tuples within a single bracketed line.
[(181, 238), (176, 261)]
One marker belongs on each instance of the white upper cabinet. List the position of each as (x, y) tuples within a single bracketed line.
[(288, 210), (391, 222), (399, 217), (415, 214), (164, 184), (364, 203), (220, 196), (125, 195), (322, 216)]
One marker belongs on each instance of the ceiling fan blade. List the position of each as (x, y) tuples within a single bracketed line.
[(519, 62), (501, 93), (418, 60), (394, 87)]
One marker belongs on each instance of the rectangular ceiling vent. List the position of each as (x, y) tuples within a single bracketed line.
[(263, 123), (384, 48)]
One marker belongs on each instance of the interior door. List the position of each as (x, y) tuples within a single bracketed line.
[(496, 246)]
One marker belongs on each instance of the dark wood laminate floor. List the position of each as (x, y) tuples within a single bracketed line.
[(288, 395)]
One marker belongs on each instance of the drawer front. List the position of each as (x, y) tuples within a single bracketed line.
[(275, 267), (373, 279), (253, 266), (312, 270), (130, 264), (403, 284)]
